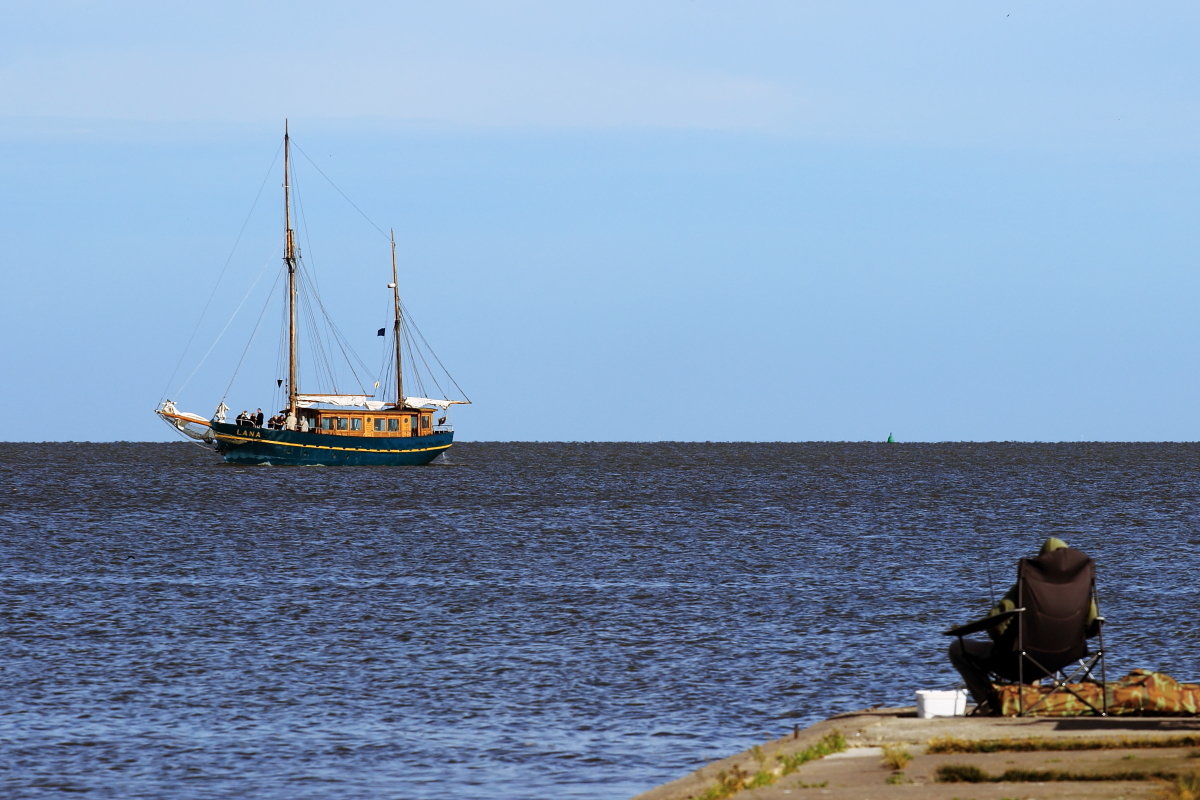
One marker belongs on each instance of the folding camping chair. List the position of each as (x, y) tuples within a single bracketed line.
[(1046, 636)]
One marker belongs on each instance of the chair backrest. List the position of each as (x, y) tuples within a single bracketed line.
[(1056, 591)]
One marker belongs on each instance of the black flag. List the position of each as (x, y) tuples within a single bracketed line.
[(279, 381), (379, 332)]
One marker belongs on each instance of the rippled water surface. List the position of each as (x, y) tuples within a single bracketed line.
[(528, 620)]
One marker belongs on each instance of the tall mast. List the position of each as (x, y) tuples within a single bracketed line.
[(396, 324), (289, 258)]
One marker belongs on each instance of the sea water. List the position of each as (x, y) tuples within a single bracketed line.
[(529, 620)]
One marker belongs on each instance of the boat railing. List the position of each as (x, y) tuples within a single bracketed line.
[(443, 429)]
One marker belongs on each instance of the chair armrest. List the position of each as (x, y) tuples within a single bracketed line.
[(982, 624)]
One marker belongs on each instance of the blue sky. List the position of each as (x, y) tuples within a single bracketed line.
[(694, 221)]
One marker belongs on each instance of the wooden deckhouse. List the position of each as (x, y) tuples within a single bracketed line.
[(386, 422)]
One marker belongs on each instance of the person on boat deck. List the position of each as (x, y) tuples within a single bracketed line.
[(258, 418), (972, 659), (243, 418)]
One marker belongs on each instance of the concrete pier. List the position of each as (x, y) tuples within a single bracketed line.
[(1131, 748)]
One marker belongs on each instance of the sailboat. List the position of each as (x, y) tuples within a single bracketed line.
[(325, 429)]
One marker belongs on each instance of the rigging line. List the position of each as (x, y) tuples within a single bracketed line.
[(281, 356), (311, 330), (415, 374), (199, 444), (224, 269), (250, 341), (408, 320), (313, 297), (345, 197), (347, 343), (341, 340), (261, 271), (437, 384), (387, 365), (428, 371), (386, 362), (302, 218), (318, 339), (343, 345), (330, 326), (310, 276), (331, 333)]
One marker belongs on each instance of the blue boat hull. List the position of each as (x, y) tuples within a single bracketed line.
[(241, 445)]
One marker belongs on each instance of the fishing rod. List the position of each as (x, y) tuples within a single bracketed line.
[(987, 562)]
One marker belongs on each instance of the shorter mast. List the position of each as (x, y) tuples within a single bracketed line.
[(396, 323)]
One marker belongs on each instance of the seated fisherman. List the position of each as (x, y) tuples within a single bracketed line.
[(974, 660)]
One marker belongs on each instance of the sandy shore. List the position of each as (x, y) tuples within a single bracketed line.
[(859, 771)]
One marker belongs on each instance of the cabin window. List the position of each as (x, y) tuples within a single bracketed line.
[(326, 423), (380, 423), (356, 423), (341, 423), (393, 424), (424, 422)]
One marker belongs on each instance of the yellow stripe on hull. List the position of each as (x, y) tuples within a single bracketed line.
[(224, 437)]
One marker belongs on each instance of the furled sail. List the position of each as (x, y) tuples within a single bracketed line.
[(421, 402), (361, 401), (342, 400), (187, 423)]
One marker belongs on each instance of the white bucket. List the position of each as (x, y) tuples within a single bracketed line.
[(952, 703)]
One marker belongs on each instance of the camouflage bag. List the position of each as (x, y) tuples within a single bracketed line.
[(1142, 692)]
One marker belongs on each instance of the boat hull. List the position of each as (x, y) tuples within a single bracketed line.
[(242, 445)]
